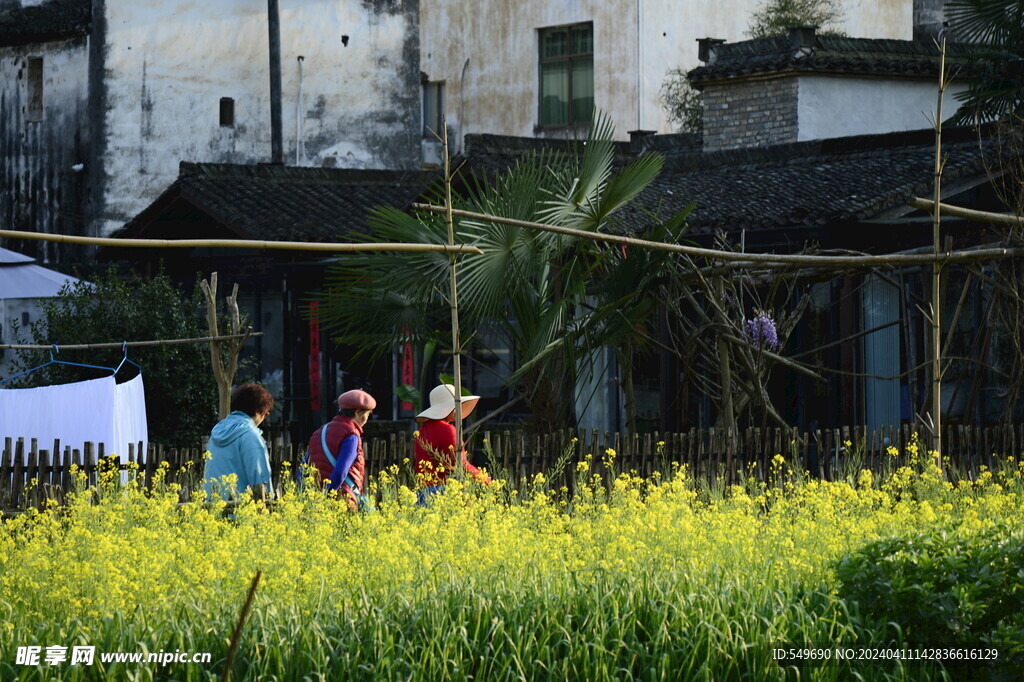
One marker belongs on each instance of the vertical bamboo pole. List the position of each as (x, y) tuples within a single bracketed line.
[(936, 267), (456, 343), (728, 417)]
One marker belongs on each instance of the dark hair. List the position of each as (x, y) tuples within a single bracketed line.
[(351, 412), (251, 399)]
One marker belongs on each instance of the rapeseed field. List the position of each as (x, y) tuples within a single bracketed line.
[(624, 578)]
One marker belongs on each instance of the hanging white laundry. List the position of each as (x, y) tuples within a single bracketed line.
[(96, 411), (130, 425)]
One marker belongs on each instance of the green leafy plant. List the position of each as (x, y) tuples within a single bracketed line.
[(682, 102), (530, 292), (776, 17), (947, 586)]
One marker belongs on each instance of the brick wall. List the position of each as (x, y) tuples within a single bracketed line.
[(750, 113)]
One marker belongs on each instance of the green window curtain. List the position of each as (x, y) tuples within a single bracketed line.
[(555, 44), (582, 40), (554, 94), (582, 89)]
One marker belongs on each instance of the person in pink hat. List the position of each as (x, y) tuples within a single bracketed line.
[(336, 448)]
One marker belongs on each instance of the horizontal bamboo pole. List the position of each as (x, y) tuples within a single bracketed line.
[(237, 243), (968, 213), (753, 258), (130, 344)]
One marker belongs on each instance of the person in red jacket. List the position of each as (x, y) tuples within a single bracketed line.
[(336, 448), (435, 443)]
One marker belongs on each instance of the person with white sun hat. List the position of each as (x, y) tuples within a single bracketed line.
[(435, 442)]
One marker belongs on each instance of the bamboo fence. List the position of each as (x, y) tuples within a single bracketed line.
[(31, 473)]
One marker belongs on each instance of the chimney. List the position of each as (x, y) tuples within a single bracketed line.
[(928, 18), (706, 49), (637, 140), (802, 37)]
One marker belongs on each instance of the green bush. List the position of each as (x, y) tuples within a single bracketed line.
[(945, 588)]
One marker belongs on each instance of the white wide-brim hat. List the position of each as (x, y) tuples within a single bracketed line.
[(442, 403)]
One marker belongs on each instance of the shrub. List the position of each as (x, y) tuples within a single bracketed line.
[(943, 588)]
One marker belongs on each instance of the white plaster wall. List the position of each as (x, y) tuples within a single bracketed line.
[(831, 106), (499, 38), (168, 64)]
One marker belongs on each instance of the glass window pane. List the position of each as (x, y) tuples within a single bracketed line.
[(582, 40), (554, 43), (582, 89), (429, 110), (433, 108), (554, 94)]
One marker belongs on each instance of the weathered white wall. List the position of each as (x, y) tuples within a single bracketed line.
[(39, 188), (496, 90), (168, 64), (831, 106), (11, 311), (499, 91)]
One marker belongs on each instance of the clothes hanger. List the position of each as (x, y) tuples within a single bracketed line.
[(124, 359), (55, 361)]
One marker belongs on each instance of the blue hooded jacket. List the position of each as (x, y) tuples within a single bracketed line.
[(237, 448)]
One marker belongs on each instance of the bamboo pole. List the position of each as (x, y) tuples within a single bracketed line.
[(936, 340), (240, 243), (967, 213), (130, 344), (452, 260), (961, 256)]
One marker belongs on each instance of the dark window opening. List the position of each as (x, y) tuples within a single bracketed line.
[(35, 89), (227, 112), (433, 109), (566, 75), (25, 319)]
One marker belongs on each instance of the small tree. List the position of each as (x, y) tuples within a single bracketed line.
[(180, 391), (683, 103), (776, 17)]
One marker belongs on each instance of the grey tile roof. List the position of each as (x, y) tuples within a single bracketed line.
[(285, 203), (489, 153), (828, 54), (813, 183), (53, 20)]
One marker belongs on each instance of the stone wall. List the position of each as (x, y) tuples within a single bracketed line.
[(750, 114)]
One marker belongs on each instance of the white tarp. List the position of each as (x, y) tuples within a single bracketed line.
[(95, 411)]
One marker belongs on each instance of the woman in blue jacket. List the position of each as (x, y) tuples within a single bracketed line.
[(237, 447)]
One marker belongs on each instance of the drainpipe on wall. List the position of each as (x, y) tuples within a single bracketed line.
[(462, 102), (299, 151), (274, 26), (639, 69)]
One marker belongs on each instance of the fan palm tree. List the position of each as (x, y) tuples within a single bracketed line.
[(996, 27), (532, 292)]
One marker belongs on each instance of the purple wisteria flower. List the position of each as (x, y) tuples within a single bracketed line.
[(761, 331)]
